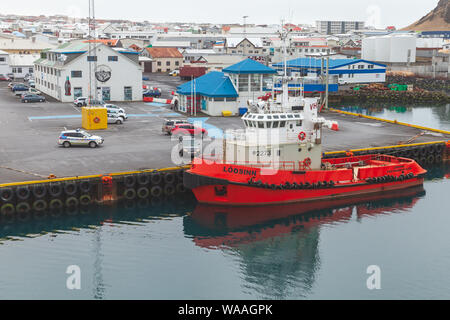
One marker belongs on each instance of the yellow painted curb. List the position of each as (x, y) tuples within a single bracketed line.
[(117, 174), (389, 121), (389, 147)]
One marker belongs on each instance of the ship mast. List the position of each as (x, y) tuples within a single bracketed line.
[(284, 33)]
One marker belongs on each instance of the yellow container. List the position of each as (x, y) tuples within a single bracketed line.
[(94, 118), (227, 113)]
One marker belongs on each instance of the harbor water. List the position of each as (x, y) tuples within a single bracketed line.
[(178, 249)]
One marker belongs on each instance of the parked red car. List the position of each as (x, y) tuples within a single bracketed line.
[(185, 129)]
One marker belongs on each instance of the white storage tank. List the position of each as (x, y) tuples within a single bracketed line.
[(382, 49), (368, 48), (402, 48)]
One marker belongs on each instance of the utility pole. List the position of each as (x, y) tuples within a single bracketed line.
[(245, 26), (327, 82)]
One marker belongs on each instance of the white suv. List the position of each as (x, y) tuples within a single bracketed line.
[(113, 107), (115, 117)]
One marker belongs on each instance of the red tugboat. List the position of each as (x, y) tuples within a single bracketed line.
[(277, 159)]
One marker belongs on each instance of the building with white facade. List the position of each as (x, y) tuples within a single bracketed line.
[(342, 71), (336, 27), (22, 64), (72, 71), (4, 63)]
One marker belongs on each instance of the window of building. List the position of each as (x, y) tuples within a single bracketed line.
[(159, 63), (168, 63), (219, 99), (159, 70), (299, 123), (243, 82), (231, 99), (113, 58), (91, 58), (177, 63), (128, 93), (2, 59), (30, 70), (255, 81), (77, 92), (370, 66), (77, 74), (282, 124)]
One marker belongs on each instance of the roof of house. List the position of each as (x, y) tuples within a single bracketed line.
[(164, 53), (249, 66), (23, 60), (212, 84), (233, 42), (23, 44), (317, 63), (108, 42)]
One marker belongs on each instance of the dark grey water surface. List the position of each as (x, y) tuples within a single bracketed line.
[(178, 250)]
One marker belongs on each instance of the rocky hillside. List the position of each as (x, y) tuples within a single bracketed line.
[(436, 20)]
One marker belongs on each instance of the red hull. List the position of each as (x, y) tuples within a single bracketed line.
[(234, 185)]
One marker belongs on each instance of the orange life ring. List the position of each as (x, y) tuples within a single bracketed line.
[(302, 136), (96, 119), (307, 162)]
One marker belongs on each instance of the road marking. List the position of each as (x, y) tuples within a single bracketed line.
[(54, 117)]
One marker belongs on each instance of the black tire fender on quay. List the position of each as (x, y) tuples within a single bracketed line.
[(156, 191), (129, 194), (40, 205), (56, 204), (72, 202), (7, 194), (169, 190), (143, 193), (169, 178), (39, 191), (7, 209), (85, 200), (23, 207), (23, 192), (156, 178), (70, 188), (143, 179), (129, 181), (85, 186), (55, 189)]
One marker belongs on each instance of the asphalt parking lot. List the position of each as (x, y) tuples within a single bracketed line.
[(29, 133)]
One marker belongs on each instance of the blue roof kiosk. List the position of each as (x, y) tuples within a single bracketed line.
[(229, 90)]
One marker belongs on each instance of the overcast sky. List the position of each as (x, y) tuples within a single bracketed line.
[(379, 13)]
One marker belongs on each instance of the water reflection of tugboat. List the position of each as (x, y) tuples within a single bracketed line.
[(277, 159), (286, 217), (280, 257)]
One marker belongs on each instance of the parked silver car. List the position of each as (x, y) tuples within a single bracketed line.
[(116, 117), (79, 137)]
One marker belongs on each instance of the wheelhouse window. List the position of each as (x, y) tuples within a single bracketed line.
[(276, 124), (260, 124)]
